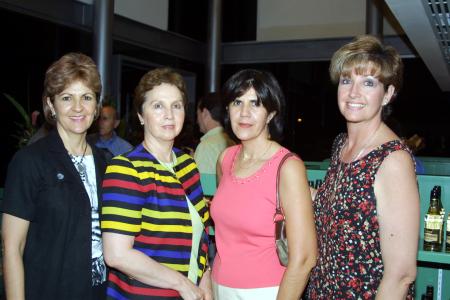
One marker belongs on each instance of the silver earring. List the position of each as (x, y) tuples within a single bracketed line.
[(53, 115), (142, 122)]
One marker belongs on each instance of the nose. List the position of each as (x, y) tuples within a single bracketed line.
[(245, 109), (169, 114), (77, 106), (354, 91)]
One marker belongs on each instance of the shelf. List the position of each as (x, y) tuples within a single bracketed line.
[(434, 257)]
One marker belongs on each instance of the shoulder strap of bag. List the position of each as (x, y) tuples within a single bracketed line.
[(278, 210)]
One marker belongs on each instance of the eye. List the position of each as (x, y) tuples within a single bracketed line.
[(178, 105), (236, 102), (255, 103), (157, 105), (65, 98), (344, 80), (369, 82), (88, 97)]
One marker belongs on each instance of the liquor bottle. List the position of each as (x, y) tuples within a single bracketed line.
[(429, 292), (438, 195), (433, 225), (447, 240), (441, 210)]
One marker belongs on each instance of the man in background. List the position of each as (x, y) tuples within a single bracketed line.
[(210, 114), (106, 138)]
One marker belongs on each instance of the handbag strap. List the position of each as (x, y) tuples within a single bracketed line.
[(278, 209)]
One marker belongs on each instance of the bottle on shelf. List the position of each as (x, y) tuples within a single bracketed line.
[(433, 225), (447, 240), (441, 210), (429, 292)]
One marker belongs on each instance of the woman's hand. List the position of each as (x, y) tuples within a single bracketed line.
[(189, 291), (206, 286)]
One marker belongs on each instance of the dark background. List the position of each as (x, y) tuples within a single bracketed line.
[(30, 45)]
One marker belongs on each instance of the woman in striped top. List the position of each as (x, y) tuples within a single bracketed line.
[(154, 215)]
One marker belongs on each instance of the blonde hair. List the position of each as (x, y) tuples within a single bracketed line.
[(366, 55)]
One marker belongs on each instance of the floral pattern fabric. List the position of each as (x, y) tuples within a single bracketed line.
[(349, 265)]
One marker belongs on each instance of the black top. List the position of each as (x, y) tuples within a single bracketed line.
[(43, 187)]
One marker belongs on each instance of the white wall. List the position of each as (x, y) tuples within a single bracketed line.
[(303, 19), (150, 12)]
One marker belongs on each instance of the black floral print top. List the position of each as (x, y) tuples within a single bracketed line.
[(349, 265)]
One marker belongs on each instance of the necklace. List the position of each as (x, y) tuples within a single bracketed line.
[(257, 158), (340, 172), (81, 168)]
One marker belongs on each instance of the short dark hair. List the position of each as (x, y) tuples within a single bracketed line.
[(154, 78), (365, 54), (68, 69), (268, 93), (108, 104), (213, 103)]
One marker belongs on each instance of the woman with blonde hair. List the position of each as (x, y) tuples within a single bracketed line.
[(367, 209)]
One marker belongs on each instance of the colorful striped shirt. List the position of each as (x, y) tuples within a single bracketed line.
[(143, 199)]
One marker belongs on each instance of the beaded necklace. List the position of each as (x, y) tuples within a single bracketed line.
[(81, 168)]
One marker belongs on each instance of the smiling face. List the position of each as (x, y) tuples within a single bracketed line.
[(361, 97), (75, 109), (162, 114), (248, 117)]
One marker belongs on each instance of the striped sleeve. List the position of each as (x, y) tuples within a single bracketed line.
[(122, 198)]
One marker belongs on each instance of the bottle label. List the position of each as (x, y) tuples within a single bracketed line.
[(434, 222), (431, 236)]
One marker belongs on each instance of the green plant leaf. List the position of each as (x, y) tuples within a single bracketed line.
[(20, 109)]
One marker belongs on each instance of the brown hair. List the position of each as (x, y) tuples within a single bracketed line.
[(154, 78), (63, 72)]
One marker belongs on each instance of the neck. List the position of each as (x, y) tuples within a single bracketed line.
[(359, 134), (75, 144), (106, 137), (211, 125), (255, 149), (360, 141), (162, 151)]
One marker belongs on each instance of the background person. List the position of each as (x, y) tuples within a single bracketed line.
[(367, 209), (154, 215), (107, 138), (51, 231), (246, 265), (210, 115)]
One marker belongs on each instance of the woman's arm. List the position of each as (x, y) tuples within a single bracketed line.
[(205, 285), (219, 167), (14, 235), (119, 254), (398, 216), (296, 202)]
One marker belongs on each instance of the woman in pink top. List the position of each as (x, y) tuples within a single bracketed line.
[(246, 265)]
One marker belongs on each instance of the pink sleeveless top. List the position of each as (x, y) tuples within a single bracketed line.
[(242, 210)]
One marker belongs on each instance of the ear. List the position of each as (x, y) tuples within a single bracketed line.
[(206, 114), (141, 119), (388, 95), (270, 116), (116, 123)]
